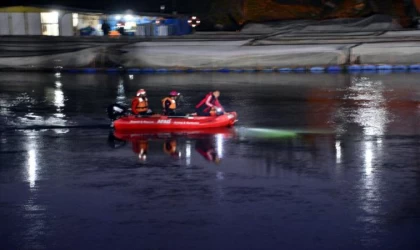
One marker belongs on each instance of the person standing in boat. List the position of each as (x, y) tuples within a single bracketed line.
[(209, 105), (169, 104), (140, 104)]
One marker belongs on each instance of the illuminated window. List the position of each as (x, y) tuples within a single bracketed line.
[(49, 23), (75, 19)]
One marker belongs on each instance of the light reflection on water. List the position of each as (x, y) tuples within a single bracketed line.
[(121, 96), (292, 154), (32, 168), (32, 162), (372, 116), (338, 152)]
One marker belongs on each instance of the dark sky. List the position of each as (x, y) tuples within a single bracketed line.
[(183, 6)]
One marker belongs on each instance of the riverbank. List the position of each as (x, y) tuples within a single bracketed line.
[(217, 51)]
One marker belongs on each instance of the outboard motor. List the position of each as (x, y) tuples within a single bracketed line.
[(116, 111)]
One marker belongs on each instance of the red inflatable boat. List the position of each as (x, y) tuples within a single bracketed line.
[(160, 122)]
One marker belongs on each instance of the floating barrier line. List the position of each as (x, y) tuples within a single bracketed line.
[(354, 69)]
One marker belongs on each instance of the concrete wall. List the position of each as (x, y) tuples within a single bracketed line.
[(4, 24), (18, 23), (33, 24), (66, 24)]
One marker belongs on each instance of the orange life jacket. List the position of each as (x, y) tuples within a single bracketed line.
[(173, 103), (140, 104), (114, 33)]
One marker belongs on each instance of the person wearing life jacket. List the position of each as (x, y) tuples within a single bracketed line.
[(140, 104), (169, 103), (209, 105)]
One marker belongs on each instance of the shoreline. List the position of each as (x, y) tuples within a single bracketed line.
[(220, 52)]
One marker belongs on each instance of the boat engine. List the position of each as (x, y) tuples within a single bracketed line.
[(115, 111)]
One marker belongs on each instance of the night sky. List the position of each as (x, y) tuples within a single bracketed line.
[(183, 6)]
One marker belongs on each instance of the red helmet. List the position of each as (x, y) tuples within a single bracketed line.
[(173, 93), (141, 92)]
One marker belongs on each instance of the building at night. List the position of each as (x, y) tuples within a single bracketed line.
[(28, 20)]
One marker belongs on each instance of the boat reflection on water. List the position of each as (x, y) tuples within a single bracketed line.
[(206, 147), (208, 142)]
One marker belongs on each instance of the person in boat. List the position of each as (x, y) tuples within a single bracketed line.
[(140, 104), (209, 105), (169, 104)]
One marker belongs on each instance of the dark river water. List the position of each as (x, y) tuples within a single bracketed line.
[(315, 162)]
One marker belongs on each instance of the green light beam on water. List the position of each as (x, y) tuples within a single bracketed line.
[(269, 133), (277, 133)]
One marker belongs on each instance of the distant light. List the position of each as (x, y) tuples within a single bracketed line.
[(162, 7), (194, 21), (118, 17), (157, 22), (58, 75), (131, 77), (128, 17)]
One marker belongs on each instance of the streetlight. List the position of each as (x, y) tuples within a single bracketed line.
[(194, 22), (162, 8)]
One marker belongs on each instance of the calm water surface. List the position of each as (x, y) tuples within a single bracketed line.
[(315, 162)]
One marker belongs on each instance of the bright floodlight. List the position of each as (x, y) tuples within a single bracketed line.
[(118, 17), (193, 25), (194, 17), (189, 21), (128, 17), (198, 21)]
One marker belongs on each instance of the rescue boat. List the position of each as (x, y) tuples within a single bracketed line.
[(161, 122)]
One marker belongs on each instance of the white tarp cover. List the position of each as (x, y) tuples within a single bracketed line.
[(233, 56), (82, 58), (387, 53)]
